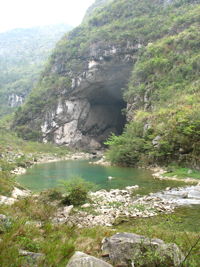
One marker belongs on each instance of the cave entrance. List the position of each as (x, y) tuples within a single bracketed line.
[(106, 114)]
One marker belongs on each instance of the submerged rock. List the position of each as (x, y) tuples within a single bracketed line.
[(81, 259), (127, 249)]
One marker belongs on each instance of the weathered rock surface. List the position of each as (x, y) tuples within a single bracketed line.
[(18, 193), (31, 257), (15, 100), (80, 259), (18, 171), (108, 206), (125, 249), (88, 108), (7, 200), (93, 108), (63, 214)]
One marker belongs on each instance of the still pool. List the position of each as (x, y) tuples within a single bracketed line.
[(49, 175)]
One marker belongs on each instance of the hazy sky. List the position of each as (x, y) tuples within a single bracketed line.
[(29, 13)]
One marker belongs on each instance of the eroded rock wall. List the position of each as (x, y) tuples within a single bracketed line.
[(91, 109)]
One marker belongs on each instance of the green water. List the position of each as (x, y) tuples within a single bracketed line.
[(44, 176), (49, 175)]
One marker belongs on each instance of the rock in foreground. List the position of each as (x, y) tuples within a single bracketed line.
[(31, 257), (7, 200), (127, 249), (83, 260)]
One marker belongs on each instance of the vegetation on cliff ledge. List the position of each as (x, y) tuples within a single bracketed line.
[(118, 23), (164, 95), (163, 91)]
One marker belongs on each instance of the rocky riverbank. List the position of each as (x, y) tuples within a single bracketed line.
[(108, 208), (15, 195), (159, 173), (70, 156), (102, 161), (44, 158)]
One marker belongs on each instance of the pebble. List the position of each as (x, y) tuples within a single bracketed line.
[(107, 206)]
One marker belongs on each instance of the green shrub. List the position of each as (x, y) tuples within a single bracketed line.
[(77, 191), (51, 195)]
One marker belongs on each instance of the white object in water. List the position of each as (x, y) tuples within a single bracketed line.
[(110, 177)]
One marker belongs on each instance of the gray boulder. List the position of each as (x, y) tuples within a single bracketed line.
[(127, 249), (31, 258), (80, 259), (7, 200), (5, 223)]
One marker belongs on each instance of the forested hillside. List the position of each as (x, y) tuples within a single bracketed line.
[(163, 97), (23, 53), (147, 49), (121, 89)]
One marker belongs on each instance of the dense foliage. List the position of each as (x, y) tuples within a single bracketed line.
[(76, 190), (119, 22), (165, 82), (163, 91)]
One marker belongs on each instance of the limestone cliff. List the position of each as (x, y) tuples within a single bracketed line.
[(90, 109), (79, 98)]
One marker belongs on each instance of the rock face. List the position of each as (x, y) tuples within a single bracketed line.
[(79, 100), (7, 200), (91, 107), (15, 100), (18, 193), (126, 249), (83, 260), (32, 258)]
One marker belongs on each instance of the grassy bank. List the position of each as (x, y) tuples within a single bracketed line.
[(182, 173), (15, 152), (29, 227)]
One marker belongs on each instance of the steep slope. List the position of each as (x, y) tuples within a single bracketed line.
[(95, 5), (163, 103), (23, 53), (79, 98)]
